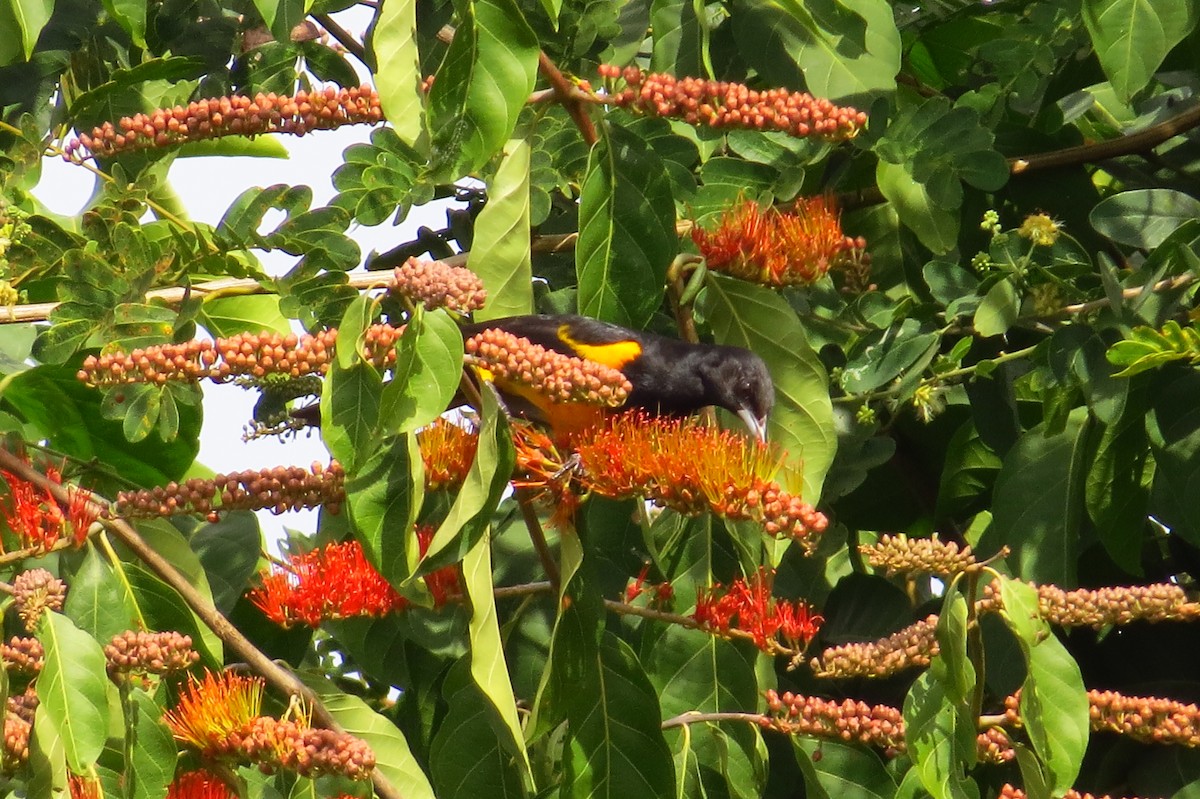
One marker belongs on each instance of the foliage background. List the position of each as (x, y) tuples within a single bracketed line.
[(990, 389)]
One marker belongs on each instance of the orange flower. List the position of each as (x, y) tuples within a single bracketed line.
[(83, 787), (777, 248), (693, 468), (199, 784), (443, 583), (209, 711), (447, 449)]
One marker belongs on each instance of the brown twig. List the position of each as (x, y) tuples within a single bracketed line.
[(538, 536), (1167, 284), (277, 676), (343, 37), (564, 94), (696, 717)]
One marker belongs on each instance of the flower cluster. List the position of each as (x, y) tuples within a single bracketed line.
[(776, 247), (1109, 605), (1149, 719), (245, 354), (447, 451), (24, 704), (298, 590), (721, 104), (849, 720), (16, 741), (691, 467), (35, 516), (79, 787), (151, 653), (852, 721), (34, 592), (230, 116), (219, 716), (776, 626), (436, 284), (22, 655), (560, 378), (901, 554), (915, 645), (278, 489), (199, 784)]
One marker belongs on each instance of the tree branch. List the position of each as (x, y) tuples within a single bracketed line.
[(343, 37)]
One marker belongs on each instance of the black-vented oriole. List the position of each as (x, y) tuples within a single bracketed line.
[(669, 376)]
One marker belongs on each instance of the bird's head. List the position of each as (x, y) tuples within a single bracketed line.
[(737, 380)]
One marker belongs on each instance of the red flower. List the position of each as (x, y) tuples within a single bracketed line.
[(775, 625), (303, 589), (83, 787), (777, 248), (443, 583), (32, 513)]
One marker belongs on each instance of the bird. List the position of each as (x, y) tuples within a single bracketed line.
[(669, 377)]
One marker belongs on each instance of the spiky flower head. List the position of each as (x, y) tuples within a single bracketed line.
[(210, 710), (775, 247)]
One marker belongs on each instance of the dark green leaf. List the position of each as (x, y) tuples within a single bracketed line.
[(98, 602), (881, 356), (429, 358), (1143, 218), (229, 550), (1039, 499), (999, 310), (1174, 431), (152, 749), (384, 496), (1132, 38), (627, 233)]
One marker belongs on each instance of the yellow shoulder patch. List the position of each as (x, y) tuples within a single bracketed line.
[(614, 355)]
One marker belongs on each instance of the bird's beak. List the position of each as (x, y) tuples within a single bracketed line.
[(756, 426)]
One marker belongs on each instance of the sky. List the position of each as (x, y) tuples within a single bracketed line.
[(206, 187)]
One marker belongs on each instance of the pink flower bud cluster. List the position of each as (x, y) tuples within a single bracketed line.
[(436, 284), (560, 378), (1149, 719), (148, 652), (901, 554), (245, 354), (22, 655), (1013, 792), (1109, 605), (913, 646), (721, 104), (278, 489), (322, 109), (36, 591), (273, 744)]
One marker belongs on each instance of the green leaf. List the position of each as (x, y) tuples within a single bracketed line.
[(98, 601), (384, 496), (847, 49), (1118, 485), (130, 15), (467, 756), (47, 759), (229, 550), (350, 403), (500, 250), (489, 669), (151, 764), (835, 769), (680, 38), (1054, 703), (1038, 501), (1174, 431), (480, 493), (697, 672), (935, 224), (393, 757), (999, 310), (255, 313), (882, 355), (627, 233), (760, 320), (31, 16), (429, 358), (615, 745), (1132, 37), (164, 609), (398, 70), (1143, 218), (481, 86), (72, 688)]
